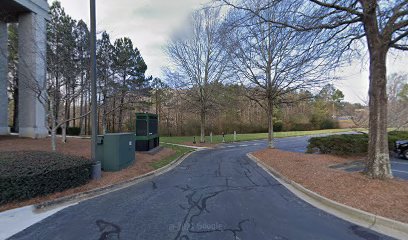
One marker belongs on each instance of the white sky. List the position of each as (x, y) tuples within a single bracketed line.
[(149, 24)]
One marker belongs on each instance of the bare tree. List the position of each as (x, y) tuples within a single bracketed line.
[(398, 100), (274, 62), (383, 24), (198, 58)]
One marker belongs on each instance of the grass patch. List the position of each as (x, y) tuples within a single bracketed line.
[(250, 136), (179, 151)]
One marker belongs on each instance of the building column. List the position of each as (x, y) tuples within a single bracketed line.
[(32, 74), (4, 128)]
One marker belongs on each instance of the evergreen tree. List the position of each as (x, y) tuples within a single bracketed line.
[(130, 69)]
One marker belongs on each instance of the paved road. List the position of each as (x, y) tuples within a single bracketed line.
[(214, 195)]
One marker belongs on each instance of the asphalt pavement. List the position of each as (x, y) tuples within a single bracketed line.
[(214, 194)]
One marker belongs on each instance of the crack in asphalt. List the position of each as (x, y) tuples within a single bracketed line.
[(154, 185), (240, 229), (218, 170), (109, 230), (250, 179), (198, 199), (243, 162), (361, 232), (201, 206)]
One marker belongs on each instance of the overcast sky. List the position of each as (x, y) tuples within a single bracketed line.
[(149, 24)]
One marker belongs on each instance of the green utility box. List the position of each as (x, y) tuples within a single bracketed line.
[(115, 151), (147, 131)]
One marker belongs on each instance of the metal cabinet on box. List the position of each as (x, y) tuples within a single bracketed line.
[(147, 131), (115, 151)]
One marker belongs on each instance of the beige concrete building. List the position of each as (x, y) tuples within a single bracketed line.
[(31, 16)]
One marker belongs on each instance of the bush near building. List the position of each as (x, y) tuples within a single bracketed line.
[(25, 175), (349, 144), (71, 131)]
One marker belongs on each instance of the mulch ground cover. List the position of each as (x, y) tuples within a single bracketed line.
[(387, 198), (78, 147)]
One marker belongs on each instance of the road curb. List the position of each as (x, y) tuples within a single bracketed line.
[(45, 206), (187, 146), (377, 223)]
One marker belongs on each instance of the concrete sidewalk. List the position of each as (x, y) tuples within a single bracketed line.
[(16, 220)]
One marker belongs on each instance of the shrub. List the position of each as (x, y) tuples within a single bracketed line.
[(349, 144), (344, 144), (302, 127), (278, 126), (73, 131), (394, 136), (25, 175), (328, 124)]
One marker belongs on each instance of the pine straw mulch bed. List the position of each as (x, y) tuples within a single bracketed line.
[(387, 198), (78, 147)]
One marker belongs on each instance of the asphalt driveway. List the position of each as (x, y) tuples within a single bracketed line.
[(213, 194)]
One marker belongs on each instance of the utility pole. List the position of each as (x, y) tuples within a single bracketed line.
[(96, 166)]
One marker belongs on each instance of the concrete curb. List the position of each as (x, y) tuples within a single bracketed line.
[(377, 223), (188, 146), (45, 206)]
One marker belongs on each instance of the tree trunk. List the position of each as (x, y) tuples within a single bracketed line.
[(122, 101), (15, 108), (67, 114), (66, 124), (120, 115), (56, 97), (73, 111), (113, 115), (54, 139), (53, 125), (104, 126), (81, 112), (202, 126), (270, 124), (86, 117), (378, 165), (64, 132)]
